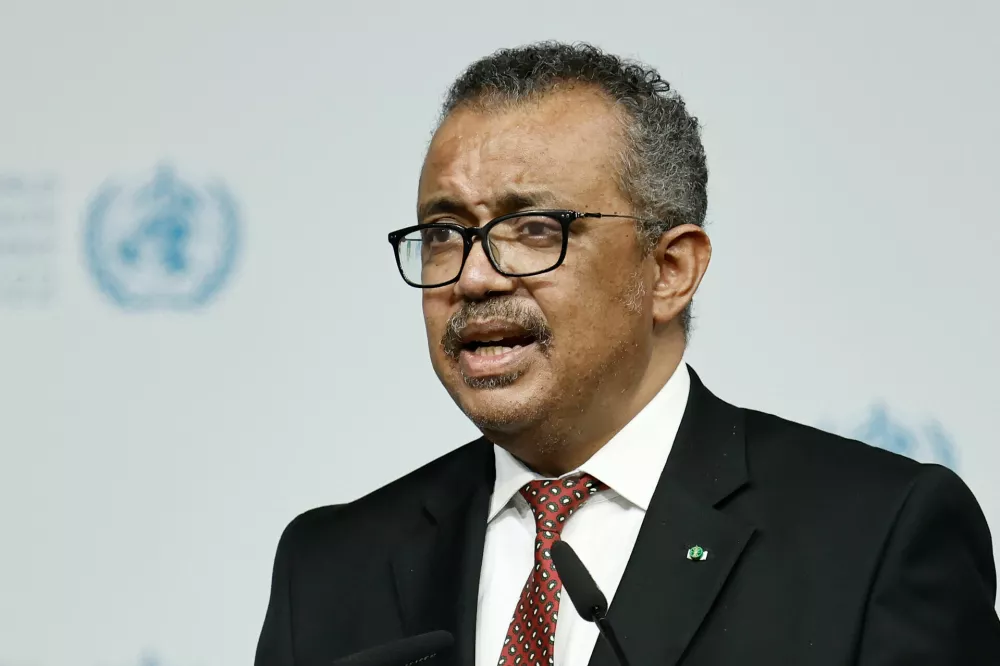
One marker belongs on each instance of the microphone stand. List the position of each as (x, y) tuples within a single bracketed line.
[(608, 632)]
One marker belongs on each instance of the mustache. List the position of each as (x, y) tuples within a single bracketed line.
[(508, 309)]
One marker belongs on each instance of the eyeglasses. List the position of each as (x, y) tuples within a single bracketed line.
[(517, 245)]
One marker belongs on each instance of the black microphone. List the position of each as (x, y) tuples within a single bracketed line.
[(590, 602), (404, 652)]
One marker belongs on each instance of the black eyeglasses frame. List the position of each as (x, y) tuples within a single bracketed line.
[(471, 234)]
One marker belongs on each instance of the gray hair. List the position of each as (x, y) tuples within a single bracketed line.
[(661, 168)]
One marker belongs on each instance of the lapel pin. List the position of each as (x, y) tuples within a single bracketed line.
[(697, 554)]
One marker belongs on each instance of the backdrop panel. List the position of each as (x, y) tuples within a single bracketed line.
[(202, 332)]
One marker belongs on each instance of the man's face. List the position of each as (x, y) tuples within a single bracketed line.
[(514, 352)]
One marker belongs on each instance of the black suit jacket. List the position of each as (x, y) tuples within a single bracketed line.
[(822, 551)]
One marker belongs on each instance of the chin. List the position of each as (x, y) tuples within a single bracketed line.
[(492, 382), (500, 403)]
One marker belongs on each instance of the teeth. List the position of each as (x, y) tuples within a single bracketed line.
[(494, 350)]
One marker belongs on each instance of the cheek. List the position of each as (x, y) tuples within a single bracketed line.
[(593, 316), (436, 313)]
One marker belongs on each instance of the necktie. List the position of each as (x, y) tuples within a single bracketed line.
[(532, 634)]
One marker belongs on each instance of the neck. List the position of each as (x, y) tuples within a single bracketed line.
[(564, 442)]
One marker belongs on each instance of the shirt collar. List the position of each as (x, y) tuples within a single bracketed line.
[(630, 463)]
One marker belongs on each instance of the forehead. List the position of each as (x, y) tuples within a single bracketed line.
[(563, 144)]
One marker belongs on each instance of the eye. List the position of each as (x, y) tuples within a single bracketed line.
[(440, 236), (537, 228)]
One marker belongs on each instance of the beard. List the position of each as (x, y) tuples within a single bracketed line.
[(553, 417), (508, 309)]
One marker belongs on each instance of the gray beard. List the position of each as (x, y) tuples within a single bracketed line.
[(489, 383)]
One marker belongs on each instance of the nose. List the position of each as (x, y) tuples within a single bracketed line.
[(479, 279)]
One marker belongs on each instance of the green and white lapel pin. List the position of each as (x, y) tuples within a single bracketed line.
[(697, 554)]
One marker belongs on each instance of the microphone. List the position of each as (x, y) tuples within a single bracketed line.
[(403, 652), (590, 602)]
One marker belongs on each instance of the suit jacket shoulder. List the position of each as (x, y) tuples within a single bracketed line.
[(827, 551), (904, 543), (338, 567), (821, 460), (832, 496), (378, 520)]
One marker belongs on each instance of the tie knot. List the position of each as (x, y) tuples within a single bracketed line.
[(554, 501)]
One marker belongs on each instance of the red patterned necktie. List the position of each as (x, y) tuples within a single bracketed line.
[(532, 634)]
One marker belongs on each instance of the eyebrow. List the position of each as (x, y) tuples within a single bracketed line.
[(508, 202)]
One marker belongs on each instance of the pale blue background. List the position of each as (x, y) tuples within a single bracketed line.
[(148, 463)]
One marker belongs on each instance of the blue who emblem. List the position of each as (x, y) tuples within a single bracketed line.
[(927, 441), (166, 243)]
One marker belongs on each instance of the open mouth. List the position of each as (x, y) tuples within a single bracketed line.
[(497, 345), (487, 350)]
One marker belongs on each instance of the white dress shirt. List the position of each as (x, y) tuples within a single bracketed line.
[(602, 532)]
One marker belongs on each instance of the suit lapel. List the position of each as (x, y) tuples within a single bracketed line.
[(663, 596), (437, 568)]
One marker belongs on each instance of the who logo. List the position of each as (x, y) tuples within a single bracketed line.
[(161, 242), (926, 441)]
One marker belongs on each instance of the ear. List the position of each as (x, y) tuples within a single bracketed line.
[(681, 255)]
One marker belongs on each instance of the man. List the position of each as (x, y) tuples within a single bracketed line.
[(559, 244)]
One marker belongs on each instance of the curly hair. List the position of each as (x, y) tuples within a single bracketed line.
[(661, 168)]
